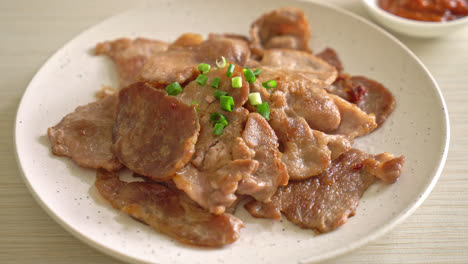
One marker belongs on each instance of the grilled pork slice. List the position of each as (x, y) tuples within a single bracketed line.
[(154, 134), (285, 27), (327, 201), (221, 161), (180, 64), (85, 135), (169, 211), (369, 95), (130, 56)]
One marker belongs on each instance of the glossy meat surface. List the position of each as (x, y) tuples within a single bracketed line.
[(86, 135), (130, 56), (169, 211), (154, 133)]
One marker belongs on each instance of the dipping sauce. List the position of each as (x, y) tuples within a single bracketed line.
[(426, 10)]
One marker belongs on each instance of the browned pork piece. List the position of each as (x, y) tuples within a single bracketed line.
[(86, 135), (302, 78), (302, 63), (285, 27), (300, 110), (271, 172), (180, 64), (168, 211), (327, 201), (306, 152), (219, 162), (369, 95), (129, 55), (187, 40), (329, 55), (302, 96), (154, 134)]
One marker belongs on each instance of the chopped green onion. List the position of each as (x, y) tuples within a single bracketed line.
[(270, 84), (257, 72), (215, 117), (249, 75), (236, 82), (201, 79), (215, 82), (255, 99), (195, 103), (230, 70), (219, 118), (221, 64), (218, 129), (264, 110), (204, 68), (220, 123), (173, 89), (217, 94), (227, 103)]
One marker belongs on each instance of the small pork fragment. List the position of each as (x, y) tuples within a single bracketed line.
[(154, 134), (329, 55), (285, 28), (169, 211), (129, 55), (369, 95), (187, 40), (301, 95), (354, 121), (220, 161), (385, 166), (306, 152), (180, 64), (300, 62), (86, 135), (325, 202), (271, 173)]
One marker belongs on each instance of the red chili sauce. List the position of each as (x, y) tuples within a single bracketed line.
[(426, 10)]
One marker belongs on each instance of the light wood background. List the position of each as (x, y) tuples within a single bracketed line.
[(31, 31)]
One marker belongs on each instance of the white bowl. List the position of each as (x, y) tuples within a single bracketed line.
[(412, 27)]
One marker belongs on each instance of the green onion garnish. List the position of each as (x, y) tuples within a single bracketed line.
[(227, 103), (195, 103), (220, 123), (264, 110), (221, 64), (236, 82), (249, 75), (201, 79), (270, 84), (173, 89), (204, 68), (215, 82), (218, 129), (230, 70), (255, 99), (217, 94), (215, 117), (257, 72)]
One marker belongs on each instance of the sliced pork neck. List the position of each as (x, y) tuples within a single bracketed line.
[(169, 211), (327, 201), (85, 135), (130, 56)]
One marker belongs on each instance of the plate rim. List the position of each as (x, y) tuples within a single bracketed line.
[(409, 210)]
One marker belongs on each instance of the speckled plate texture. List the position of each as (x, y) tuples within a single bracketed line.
[(418, 129)]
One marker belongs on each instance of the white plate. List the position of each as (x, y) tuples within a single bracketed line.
[(418, 129)]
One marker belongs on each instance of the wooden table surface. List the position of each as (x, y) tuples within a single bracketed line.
[(31, 31)]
